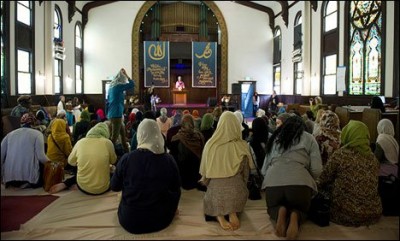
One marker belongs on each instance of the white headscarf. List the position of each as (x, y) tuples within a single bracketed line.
[(239, 116), (225, 150), (149, 136), (119, 79), (386, 140)]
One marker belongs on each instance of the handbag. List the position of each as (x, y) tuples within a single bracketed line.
[(255, 181), (388, 188), (53, 173), (319, 211)]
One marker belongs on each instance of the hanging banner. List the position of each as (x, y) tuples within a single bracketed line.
[(156, 64), (204, 64)]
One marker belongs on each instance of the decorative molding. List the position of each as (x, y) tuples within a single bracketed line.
[(285, 11), (71, 10), (223, 87), (314, 5)]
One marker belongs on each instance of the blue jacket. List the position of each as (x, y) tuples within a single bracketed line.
[(115, 99)]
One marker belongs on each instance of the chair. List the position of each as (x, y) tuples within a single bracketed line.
[(290, 107), (371, 118), (343, 114)]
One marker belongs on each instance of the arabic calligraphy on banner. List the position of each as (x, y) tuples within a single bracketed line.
[(156, 63), (204, 64)]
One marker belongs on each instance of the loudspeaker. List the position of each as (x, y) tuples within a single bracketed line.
[(211, 101), (236, 89)]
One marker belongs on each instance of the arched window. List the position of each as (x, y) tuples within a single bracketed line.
[(78, 58), (24, 42), (59, 51), (365, 47), (277, 60), (297, 55), (330, 47)]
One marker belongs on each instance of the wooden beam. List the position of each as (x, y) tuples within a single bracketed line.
[(285, 11), (262, 8), (314, 5)]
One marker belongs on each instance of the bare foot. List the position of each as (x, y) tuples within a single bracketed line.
[(281, 222), (293, 228), (234, 220), (225, 225), (57, 188)]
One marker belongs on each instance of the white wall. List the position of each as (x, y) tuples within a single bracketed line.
[(108, 42), (250, 45)]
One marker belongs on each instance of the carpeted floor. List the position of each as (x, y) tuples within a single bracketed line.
[(17, 210)]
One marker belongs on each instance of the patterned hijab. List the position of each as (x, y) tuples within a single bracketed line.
[(386, 140), (330, 125), (149, 136), (225, 150), (98, 131), (27, 120), (190, 137), (119, 79), (356, 135)]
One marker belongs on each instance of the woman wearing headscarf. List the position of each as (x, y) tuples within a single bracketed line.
[(315, 104), (59, 145), (81, 127), (245, 127), (225, 167), (291, 166), (317, 122), (23, 167), (115, 99), (350, 179), (176, 125), (138, 119), (129, 124), (258, 140), (163, 121), (186, 148), (206, 126), (328, 136), (387, 149), (197, 119), (376, 103), (92, 156), (149, 180)]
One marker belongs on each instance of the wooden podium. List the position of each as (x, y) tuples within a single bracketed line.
[(179, 97)]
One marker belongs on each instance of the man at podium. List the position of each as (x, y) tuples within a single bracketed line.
[(180, 85)]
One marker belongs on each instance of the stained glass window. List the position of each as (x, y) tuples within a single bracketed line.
[(365, 66)]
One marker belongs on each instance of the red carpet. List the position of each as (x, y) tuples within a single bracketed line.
[(17, 210)]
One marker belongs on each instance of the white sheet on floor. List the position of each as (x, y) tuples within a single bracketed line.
[(79, 216)]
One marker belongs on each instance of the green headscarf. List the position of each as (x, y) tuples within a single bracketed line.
[(85, 116), (207, 121), (98, 131), (356, 135)]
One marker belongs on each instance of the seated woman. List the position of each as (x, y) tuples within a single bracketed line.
[(258, 140), (23, 168), (206, 126), (150, 183), (81, 127), (291, 166), (350, 179), (92, 156), (387, 149), (225, 167), (186, 148), (328, 136), (59, 144)]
